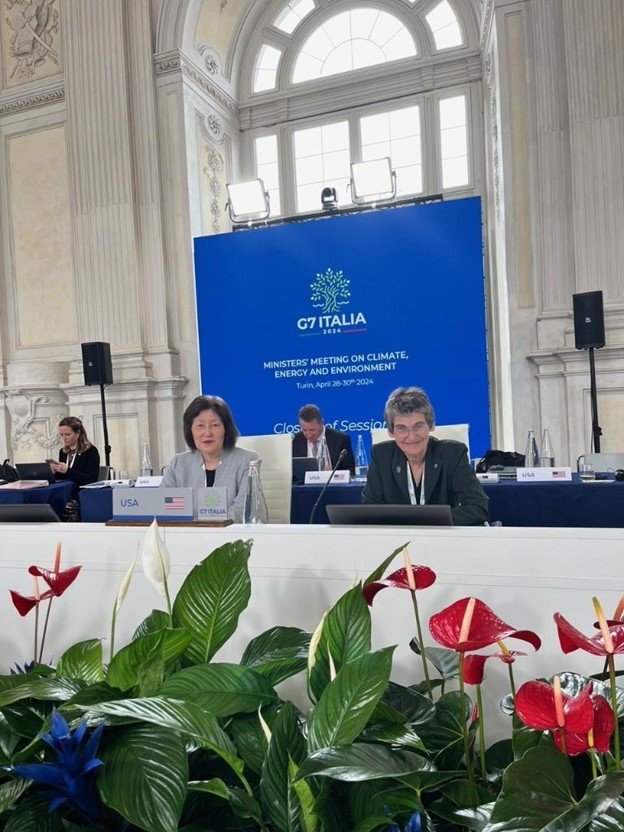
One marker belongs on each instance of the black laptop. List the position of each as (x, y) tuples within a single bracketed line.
[(35, 471), (389, 515), (301, 464), (28, 513)]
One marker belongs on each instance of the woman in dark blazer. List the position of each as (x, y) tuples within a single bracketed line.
[(79, 460), (416, 468)]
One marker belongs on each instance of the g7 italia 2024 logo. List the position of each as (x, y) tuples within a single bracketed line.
[(330, 291)]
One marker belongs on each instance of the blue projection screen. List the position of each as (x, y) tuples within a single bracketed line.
[(341, 310)]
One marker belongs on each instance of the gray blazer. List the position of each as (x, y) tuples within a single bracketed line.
[(186, 471)]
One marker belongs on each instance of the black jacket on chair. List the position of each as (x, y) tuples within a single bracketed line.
[(336, 442), (449, 480)]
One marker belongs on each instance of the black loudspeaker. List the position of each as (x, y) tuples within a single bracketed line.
[(96, 363), (588, 320)]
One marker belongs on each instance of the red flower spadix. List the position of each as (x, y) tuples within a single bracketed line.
[(422, 576), (25, 603), (473, 667), (463, 630), (578, 722), (57, 581)]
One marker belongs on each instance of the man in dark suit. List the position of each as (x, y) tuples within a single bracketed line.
[(313, 431), (418, 469)]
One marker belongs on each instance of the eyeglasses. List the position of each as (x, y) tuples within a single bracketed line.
[(403, 431)]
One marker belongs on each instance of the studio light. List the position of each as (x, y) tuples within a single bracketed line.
[(373, 181), (329, 199), (247, 201)]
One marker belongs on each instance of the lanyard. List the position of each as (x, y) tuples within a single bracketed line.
[(412, 490), (70, 459)]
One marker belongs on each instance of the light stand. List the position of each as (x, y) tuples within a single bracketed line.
[(596, 429)]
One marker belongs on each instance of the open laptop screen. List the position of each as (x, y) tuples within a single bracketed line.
[(35, 471), (389, 515), (301, 464)]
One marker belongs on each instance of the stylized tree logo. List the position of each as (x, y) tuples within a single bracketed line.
[(330, 290)]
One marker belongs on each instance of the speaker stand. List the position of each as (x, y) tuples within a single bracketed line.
[(107, 447), (596, 429)]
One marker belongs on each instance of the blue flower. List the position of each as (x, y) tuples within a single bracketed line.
[(18, 668), (69, 778), (413, 825)]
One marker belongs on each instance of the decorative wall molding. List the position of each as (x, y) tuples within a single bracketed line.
[(487, 14), (213, 170), (22, 407), (211, 60), (492, 101), (32, 30), (175, 61), (26, 101)]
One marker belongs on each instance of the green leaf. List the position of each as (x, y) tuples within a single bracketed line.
[(546, 776), (445, 661), (310, 820), (443, 734), (375, 798), (155, 621), (212, 598), (361, 762), (346, 634), (185, 717), (82, 661), (378, 573), (392, 734), (215, 786), (8, 739), (151, 672), (278, 796), (32, 815), (37, 688), (249, 737), (475, 819), (348, 702), (11, 791), (244, 805), (610, 821), (415, 707), (278, 653), (123, 671), (223, 689), (144, 776)]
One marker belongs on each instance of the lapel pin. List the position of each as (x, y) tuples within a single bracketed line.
[(436, 465), (398, 469)]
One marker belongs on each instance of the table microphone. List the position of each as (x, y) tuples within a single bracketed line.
[(341, 456)]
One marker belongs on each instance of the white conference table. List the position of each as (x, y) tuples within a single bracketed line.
[(297, 572)]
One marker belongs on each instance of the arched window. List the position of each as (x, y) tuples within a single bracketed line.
[(327, 85), (351, 40)]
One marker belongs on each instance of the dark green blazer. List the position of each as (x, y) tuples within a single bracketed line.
[(449, 480)]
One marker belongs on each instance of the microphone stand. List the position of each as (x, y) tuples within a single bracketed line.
[(341, 456), (596, 429)]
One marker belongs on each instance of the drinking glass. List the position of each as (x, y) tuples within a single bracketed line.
[(587, 473)]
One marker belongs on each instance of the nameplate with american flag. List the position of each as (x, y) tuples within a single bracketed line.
[(560, 474), (147, 503)]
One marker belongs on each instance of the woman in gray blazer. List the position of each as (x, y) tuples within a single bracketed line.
[(214, 459)]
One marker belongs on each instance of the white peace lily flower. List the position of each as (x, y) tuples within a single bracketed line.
[(155, 558), (125, 584)]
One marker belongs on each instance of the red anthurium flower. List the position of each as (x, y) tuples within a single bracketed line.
[(577, 722), (25, 603), (57, 581), (473, 666), (469, 624), (422, 577), (608, 641)]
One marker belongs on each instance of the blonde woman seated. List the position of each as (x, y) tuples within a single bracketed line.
[(213, 459)]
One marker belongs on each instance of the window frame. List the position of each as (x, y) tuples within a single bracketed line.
[(430, 141)]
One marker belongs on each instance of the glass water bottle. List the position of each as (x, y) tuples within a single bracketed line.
[(255, 504), (547, 456), (361, 459), (531, 454)]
